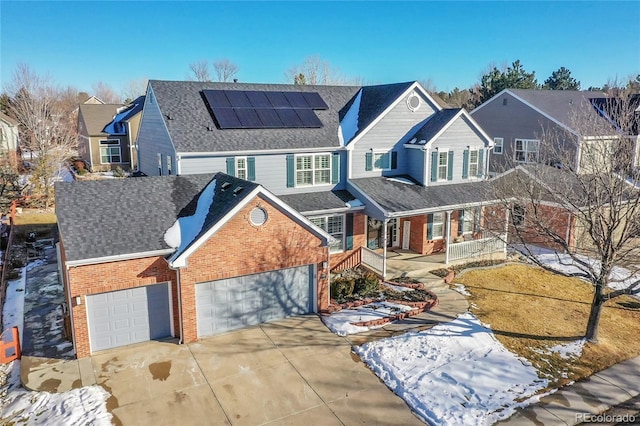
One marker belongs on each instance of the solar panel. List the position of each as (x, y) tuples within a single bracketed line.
[(296, 100), (216, 98), (248, 118), (289, 118), (269, 118), (227, 118), (314, 100), (277, 100), (253, 109), (258, 99), (308, 117)]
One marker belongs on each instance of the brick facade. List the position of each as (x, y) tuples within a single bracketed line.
[(237, 248)]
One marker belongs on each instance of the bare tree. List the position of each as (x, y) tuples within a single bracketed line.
[(225, 69), (587, 210), (316, 71), (105, 93), (134, 89), (199, 71), (44, 125)]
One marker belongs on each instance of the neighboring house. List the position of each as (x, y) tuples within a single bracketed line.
[(517, 120), (9, 135), (192, 256), (331, 176), (107, 134)]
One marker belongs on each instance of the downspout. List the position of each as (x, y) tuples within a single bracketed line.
[(179, 289), (64, 272), (567, 238)]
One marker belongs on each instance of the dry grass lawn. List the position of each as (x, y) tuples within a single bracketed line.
[(531, 310), (40, 221)]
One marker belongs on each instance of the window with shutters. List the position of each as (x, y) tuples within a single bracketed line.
[(437, 226), (313, 169), (334, 226)]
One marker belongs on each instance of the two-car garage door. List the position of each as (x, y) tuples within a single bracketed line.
[(129, 316), (237, 302)]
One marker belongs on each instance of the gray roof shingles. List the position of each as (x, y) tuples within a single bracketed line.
[(97, 116), (127, 216), (434, 124), (398, 197), (318, 201), (193, 129)]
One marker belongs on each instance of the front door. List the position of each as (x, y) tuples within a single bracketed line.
[(406, 234)]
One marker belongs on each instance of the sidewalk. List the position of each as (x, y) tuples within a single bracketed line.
[(576, 403)]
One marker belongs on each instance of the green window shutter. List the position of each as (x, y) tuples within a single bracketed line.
[(251, 168), (348, 237), (231, 166), (450, 166), (291, 171), (480, 165), (460, 222), (465, 164), (430, 226), (335, 167), (434, 166), (368, 161), (394, 160)]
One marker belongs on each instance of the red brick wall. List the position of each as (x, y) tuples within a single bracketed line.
[(549, 217), (104, 277), (239, 248)]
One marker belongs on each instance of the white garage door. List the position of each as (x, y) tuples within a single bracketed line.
[(124, 317), (233, 303)]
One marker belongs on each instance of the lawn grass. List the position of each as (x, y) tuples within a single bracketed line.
[(40, 221), (530, 310)]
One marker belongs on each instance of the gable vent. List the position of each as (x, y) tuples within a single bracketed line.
[(413, 102), (258, 216)]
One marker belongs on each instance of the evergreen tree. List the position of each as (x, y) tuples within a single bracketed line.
[(561, 80), (513, 77)]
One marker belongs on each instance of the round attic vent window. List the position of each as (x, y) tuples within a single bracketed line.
[(258, 216), (413, 102)]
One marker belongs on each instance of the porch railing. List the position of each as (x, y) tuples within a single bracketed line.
[(371, 259), (487, 245)]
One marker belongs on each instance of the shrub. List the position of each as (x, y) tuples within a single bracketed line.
[(341, 288), (118, 172), (81, 172), (367, 284)]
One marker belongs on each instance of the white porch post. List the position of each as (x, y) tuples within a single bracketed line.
[(448, 239), (384, 249)]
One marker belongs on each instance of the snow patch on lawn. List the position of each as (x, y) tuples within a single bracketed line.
[(460, 288), (396, 287), (454, 373)]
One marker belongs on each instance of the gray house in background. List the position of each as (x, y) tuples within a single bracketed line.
[(517, 120)]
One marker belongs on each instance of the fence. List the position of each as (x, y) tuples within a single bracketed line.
[(6, 267), (482, 246)]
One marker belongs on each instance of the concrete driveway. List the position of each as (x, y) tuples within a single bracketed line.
[(287, 372)]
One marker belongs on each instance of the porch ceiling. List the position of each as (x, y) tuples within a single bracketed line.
[(400, 199)]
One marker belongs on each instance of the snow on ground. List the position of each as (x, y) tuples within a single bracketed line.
[(455, 373), (341, 322), (83, 406), (460, 288), (397, 287)]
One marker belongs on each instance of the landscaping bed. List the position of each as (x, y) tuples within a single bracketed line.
[(367, 301)]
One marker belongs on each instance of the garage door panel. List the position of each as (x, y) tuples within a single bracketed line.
[(233, 303), (128, 316)]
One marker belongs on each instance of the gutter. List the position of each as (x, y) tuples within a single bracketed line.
[(118, 257)]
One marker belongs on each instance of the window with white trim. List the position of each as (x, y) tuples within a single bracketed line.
[(313, 169), (437, 226), (382, 160), (110, 151), (241, 167), (518, 213), (334, 226), (469, 219), (443, 165), (473, 163), (497, 145), (169, 165), (527, 150)]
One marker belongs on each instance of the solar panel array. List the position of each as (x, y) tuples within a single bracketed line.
[(252, 109)]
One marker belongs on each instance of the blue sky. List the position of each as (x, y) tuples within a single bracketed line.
[(451, 43)]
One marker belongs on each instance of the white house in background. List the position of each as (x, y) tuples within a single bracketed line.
[(9, 136)]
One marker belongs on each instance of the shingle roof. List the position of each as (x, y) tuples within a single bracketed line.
[(97, 116), (318, 201), (8, 119), (398, 197), (125, 216), (560, 104), (374, 100), (192, 127), (434, 124)]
